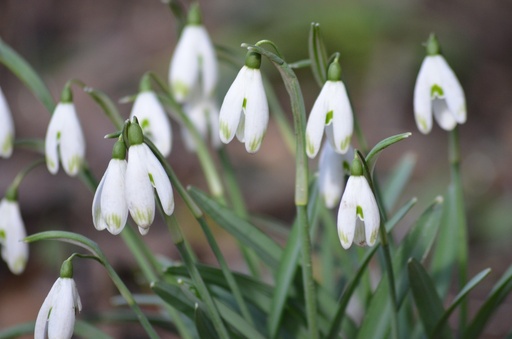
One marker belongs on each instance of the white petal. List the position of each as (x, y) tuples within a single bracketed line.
[(72, 142), (316, 123), (161, 182), (443, 115), (212, 112), (360, 236), (331, 175), (347, 212), (53, 135), (40, 331), (14, 249), (6, 128), (256, 112), (143, 230), (184, 69), (97, 220), (61, 322), (231, 108), (422, 96), (114, 209), (453, 91), (139, 192), (208, 61), (153, 120), (342, 116), (368, 204)]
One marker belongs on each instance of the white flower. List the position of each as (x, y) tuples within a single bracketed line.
[(153, 120), (358, 216), (56, 318), (144, 172), (332, 168), (6, 128), (194, 60), (204, 115), (438, 90), (331, 110), (109, 207), (12, 233), (244, 111), (64, 140)]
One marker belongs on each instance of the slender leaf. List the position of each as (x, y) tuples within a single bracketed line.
[(317, 54), (400, 214), (372, 156), (107, 105), (204, 326), (428, 303), (397, 181)]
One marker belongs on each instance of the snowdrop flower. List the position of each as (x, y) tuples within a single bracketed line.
[(12, 233), (244, 111), (194, 60), (144, 172), (56, 318), (6, 128), (204, 115), (153, 120), (331, 111), (332, 169), (64, 138), (358, 216), (438, 90), (109, 207)]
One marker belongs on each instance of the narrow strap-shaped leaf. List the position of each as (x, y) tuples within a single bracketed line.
[(22, 69), (427, 300), (204, 326), (372, 156), (397, 181), (400, 214), (107, 105), (317, 54)]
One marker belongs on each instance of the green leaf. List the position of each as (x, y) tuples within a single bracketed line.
[(22, 69), (372, 156), (265, 247), (204, 326), (391, 223), (397, 180), (498, 294), (428, 303), (107, 105), (317, 54), (69, 237), (416, 244)]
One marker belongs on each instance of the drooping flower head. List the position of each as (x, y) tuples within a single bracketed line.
[(203, 112), (244, 111), (438, 90), (56, 318), (194, 63), (6, 128), (331, 111), (64, 138), (152, 118), (109, 207), (332, 168), (358, 215), (12, 232), (143, 173)]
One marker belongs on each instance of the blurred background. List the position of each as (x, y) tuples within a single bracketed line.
[(110, 44)]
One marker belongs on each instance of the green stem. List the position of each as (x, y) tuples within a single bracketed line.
[(280, 117)]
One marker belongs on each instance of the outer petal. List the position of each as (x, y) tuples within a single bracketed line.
[(342, 116), (208, 62), (97, 219), (422, 96), (114, 209), (72, 142), (231, 109), (139, 192), (443, 115), (331, 176), (453, 91), (40, 331), (53, 133), (184, 69), (256, 112), (160, 181), (316, 123), (14, 249), (6, 128), (61, 322), (347, 212), (370, 209), (153, 120)]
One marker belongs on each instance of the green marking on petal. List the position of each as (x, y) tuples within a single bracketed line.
[(75, 164), (58, 135), (50, 163), (113, 220), (144, 123), (255, 144), (344, 144), (142, 217), (244, 104), (7, 144), (359, 212), (373, 236), (151, 179), (328, 117), (19, 265), (422, 122), (2, 234), (436, 91), (224, 129), (309, 145), (180, 88), (343, 237)]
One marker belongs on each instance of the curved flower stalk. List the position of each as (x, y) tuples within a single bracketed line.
[(143, 173), (332, 112), (204, 114), (109, 207), (244, 111), (439, 91), (64, 138), (332, 168), (12, 232), (6, 128), (56, 318), (358, 215), (153, 120), (194, 63)]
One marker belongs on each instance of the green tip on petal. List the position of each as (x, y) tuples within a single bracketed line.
[(344, 144), (255, 144), (343, 237), (135, 135), (309, 146), (114, 220), (373, 237), (334, 71), (66, 270), (224, 129), (7, 144), (119, 150), (357, 168), (253, 60), (74, 164), (194, 15), (432, 45)]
